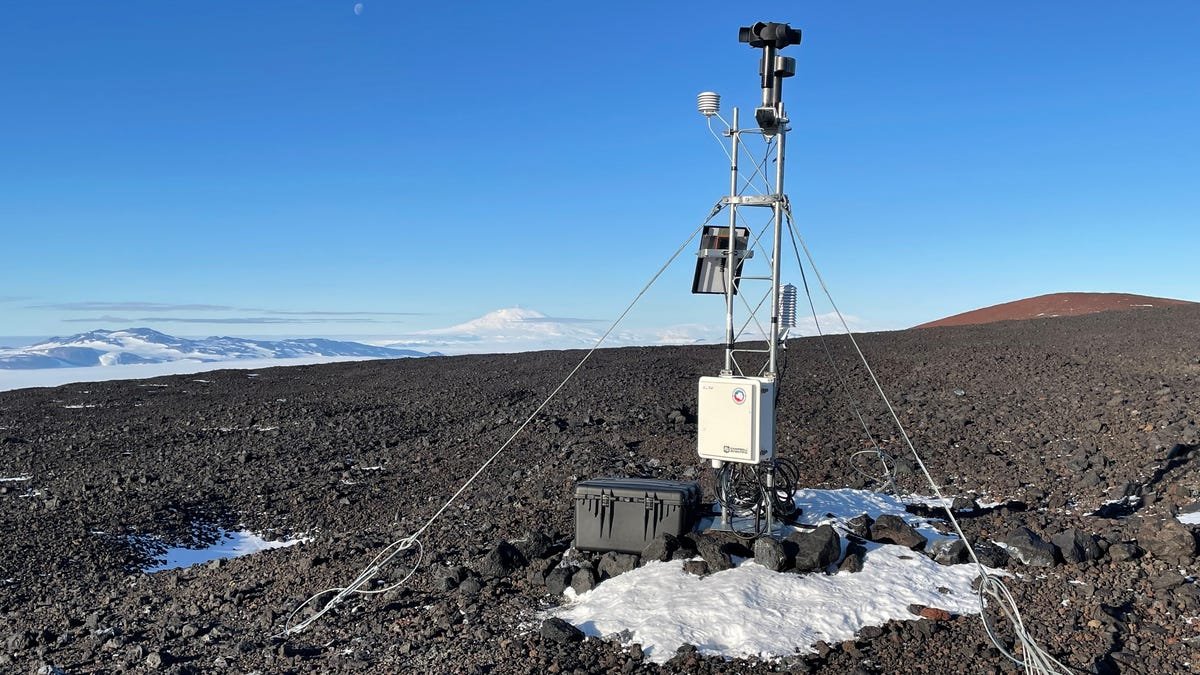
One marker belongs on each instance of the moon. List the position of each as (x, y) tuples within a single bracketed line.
[(358, 7)]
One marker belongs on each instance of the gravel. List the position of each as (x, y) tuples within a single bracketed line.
[(1050, 419)]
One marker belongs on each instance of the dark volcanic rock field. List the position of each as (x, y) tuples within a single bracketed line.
[(1055, 417)]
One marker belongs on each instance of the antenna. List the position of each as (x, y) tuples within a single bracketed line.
[(736, 409)]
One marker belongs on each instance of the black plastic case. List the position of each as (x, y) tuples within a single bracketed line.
[(626, 514)]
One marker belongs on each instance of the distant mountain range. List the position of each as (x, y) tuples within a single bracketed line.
[(143, 345)]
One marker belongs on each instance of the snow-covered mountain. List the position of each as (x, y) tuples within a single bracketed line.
[(518, 324), (143, 345), (518, 329)]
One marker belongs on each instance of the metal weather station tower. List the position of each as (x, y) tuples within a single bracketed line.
[(736, 409)]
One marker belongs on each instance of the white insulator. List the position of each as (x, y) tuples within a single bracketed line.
[(708, 103)]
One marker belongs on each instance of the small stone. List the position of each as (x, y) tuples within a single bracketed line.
[(556, 630), (1166, 581), (816, 550), (536, 544), (1123, 551), (950, 552), (156, 660), (18, 641), (713, 553), (892, 529), (696, 567), (583, 580), (853, 562), (935, 614), (1026, 546), (1076, 546), (870, 632), (557, 580), (500, 561), (768, 552), (860, 525), (613, 564), (1168, 540), (471, 586), (963, 504), (660, 548)]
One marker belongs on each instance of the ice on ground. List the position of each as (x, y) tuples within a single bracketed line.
[(750, 611), (16, 479), (231, 544)]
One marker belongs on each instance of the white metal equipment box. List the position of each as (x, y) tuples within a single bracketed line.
[(736, 419)]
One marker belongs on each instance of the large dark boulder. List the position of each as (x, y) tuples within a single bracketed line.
[(768, 552), (614, 564), (816, 550), (1026, 546), (989, 554), (661, 548), (558, 579), (536, 544), (556, 630), (713, 551), (950, 552), (853, 562), (891, 529), (1168, 540), (1123, 551), (584, 580), (860, 525), (499, 562), (1076, 546)]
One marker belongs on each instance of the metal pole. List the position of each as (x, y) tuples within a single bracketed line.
[(730, 261), (775, 255)]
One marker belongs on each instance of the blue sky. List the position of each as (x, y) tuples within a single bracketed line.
[(277, 165)]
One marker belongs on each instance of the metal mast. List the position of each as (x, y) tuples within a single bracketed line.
[(721, 268)]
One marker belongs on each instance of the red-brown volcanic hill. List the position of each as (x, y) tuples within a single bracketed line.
[(1054, 304)]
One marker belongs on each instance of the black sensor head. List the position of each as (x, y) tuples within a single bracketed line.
[(777, 35)]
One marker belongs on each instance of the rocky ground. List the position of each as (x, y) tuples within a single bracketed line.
[(1055, 417)]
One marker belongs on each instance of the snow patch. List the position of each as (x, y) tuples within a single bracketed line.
[(1192, 518), (750, 611), (231, 544)]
